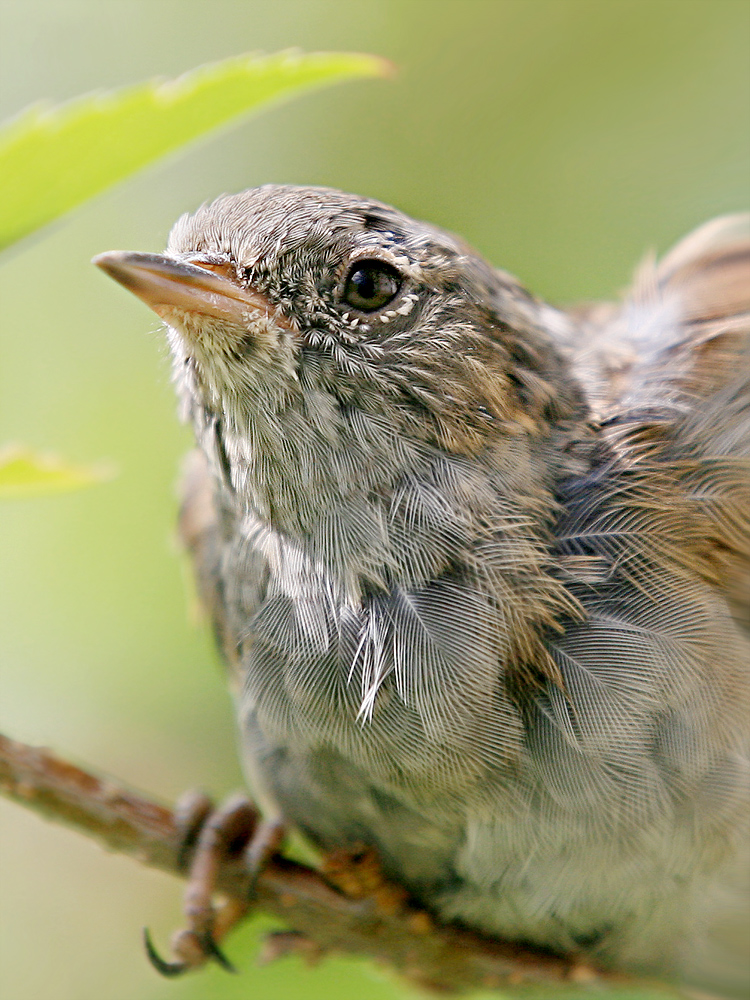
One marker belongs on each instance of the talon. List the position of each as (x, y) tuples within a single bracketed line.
[(212, 950), (168, 969)]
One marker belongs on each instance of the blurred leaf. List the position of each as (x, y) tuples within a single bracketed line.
[(54, 158), (24, 473)]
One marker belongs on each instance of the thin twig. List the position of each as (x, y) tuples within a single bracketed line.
[(324, 919)]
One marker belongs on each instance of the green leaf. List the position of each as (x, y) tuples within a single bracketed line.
[(24, 473), (54, 158)]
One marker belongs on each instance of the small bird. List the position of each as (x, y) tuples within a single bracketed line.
[(479, 567)]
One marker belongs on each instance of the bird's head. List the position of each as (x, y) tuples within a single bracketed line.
[(325, 342)]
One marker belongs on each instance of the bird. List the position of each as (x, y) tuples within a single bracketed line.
[(479, 565)]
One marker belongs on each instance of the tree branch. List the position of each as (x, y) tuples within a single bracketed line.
[(442, 957)]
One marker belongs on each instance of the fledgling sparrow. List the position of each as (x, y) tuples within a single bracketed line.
[(480, 567)]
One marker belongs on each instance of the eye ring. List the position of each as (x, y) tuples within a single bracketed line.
[(371, 284)]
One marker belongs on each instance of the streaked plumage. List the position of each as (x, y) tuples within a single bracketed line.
[(481, 569)]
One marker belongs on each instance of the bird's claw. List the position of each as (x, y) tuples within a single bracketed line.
[(209, 837), (164, 968), (211, 950), (195, 948)]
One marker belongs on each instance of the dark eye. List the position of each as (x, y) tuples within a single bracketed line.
[(371, 284)]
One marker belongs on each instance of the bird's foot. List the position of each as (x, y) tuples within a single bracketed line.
[(357, 872), (211, 837)]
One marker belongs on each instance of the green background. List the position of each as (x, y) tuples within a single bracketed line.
[(563, 138)]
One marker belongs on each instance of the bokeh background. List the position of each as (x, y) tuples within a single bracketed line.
[(562, 137)]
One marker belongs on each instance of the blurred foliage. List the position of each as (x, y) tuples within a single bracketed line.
[(53, 158), (563, 138), (24, 473)]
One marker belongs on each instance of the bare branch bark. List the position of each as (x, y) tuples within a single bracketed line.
[(444, 958)]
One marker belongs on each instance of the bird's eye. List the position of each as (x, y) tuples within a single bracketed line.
[(370, 285)]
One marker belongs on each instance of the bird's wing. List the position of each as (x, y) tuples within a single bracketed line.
[(200, 531), (668, 377), (681, 334)]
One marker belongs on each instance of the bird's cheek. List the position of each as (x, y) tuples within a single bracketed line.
[(252, 334)]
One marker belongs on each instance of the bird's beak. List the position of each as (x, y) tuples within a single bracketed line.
[(172, 287)]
